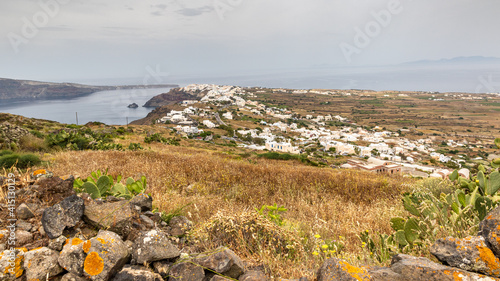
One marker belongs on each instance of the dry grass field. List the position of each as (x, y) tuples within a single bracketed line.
[(325, 202)]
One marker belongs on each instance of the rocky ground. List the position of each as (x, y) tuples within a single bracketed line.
[(60, 235)]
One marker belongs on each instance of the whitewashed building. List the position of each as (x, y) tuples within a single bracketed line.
[(285, 147)]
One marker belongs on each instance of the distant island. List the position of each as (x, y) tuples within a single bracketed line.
[(12, 89)]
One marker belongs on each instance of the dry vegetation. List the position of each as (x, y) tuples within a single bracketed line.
[(319, 201)]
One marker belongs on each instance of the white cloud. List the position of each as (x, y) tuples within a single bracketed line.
[(123, 35)]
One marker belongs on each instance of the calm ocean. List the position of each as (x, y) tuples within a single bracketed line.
[(109, 107)]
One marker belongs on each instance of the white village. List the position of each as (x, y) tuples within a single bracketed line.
[(384, 152)]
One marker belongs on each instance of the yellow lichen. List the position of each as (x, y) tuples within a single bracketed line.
[(17, 267), (358, 273), (93, 264), (457, 276), (76, 241), (86, 246), (487, 256), (39, 172), (102, 240)]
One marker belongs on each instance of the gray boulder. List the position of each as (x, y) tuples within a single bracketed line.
[(222, 260), (186, 271), (253, 275), (57, 244), (106, 255), (153, 246), (137, 273), (470, 253), (403, 267), (41, 263), (413, 269), (24, 225), (489, 228), (179, 225), (11, 265), (23, 238), (335, 269), (113, 216), (143, 201), (67, 213), (24, 212), (147, 222), (72, 256)]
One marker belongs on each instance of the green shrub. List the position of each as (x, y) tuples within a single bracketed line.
[(273, 213), (5, 152), (37, 134), (135, 146), (159, 138), (82, 139), (9, 160), (278, 156), (20, 161), (155, 138), (28, 160)]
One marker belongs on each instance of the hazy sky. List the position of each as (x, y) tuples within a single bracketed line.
[(77, 40)]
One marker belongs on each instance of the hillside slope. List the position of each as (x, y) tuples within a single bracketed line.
[(173, 96)]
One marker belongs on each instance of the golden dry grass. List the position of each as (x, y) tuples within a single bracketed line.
[(319, 201)]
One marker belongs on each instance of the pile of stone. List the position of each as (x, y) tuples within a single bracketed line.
[(73, 237), (10, 134), (470, 258)]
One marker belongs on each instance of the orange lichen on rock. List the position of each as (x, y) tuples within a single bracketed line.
[(492, 262), (457, 276), (86, 246), (358, 273), (17, 270), (93, 264), (76, 241), (39, 172), (101, 240)]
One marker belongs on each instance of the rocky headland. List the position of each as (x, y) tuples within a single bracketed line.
[(11, 89)]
